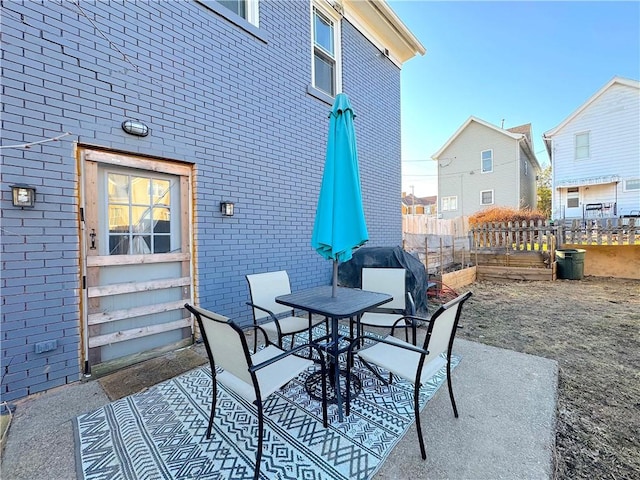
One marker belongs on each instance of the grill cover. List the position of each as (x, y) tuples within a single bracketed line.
[(350, 273)]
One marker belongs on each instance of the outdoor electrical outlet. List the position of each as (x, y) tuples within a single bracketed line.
[(42, 347)]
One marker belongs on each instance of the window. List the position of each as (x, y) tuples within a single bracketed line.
[(449, 203), (326, 51), (632, 185), (487, 161), (573, 197), (486, 197), (247, 9), (526, 168), (582, 146), (139, 213)]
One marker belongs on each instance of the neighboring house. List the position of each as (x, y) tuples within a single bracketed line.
[(482, 165), (595, 155), (176, 110), (412, 205)]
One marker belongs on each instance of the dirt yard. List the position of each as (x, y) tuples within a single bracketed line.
[(592, 328)]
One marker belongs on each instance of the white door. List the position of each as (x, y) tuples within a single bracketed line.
[(573, 205), (136, 257)]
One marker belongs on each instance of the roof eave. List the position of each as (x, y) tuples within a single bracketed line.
[(378, 22), (620, 80)]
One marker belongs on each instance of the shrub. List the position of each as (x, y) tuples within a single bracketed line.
[(505, 215)]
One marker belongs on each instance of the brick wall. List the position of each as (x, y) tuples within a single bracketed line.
[(233, 104)]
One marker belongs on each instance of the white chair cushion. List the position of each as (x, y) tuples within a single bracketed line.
[(289, 325), (380, 319), (270, 378), (402, 362)]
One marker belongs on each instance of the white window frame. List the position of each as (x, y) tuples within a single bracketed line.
[(449, 204), (482, 169), (330, 14), (634, 188), (251, 15), (582, 152), (482, 202), (526, 168)]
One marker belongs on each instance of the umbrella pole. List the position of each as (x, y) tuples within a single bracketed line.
[(335, 279)]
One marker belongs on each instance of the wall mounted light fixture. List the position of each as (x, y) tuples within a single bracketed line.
[(135, 127), (23, 195), (226, 208)]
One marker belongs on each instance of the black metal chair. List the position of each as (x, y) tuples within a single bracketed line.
[(393, 282), (410, 362), (273, 317), (254, 376)]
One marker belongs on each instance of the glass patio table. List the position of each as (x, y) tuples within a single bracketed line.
[(348, 303)]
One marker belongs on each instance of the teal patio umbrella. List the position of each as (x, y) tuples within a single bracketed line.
[(339, 224)]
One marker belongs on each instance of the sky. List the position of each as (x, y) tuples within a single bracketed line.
[(518, 62)]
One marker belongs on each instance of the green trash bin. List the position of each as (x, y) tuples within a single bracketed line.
[(570, 263)]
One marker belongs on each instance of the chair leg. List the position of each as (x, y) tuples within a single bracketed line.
[(323, 372), (453, 401), (416, 407), (256, 472), (214, 396), (347, 409), (255, 337)]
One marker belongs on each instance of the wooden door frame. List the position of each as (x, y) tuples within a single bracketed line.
[(88, 159)]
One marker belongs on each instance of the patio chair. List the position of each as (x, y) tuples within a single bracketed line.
[(410, 362), (273, 317), (254, 376), (393, 282)]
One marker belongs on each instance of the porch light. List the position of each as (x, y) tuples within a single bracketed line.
[(23, 195), (226, 208), (135, 127)]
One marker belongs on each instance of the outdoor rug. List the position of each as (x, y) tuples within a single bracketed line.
[(160, 433)]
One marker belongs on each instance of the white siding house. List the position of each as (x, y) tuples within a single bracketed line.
[(483, 165), (595, 155)]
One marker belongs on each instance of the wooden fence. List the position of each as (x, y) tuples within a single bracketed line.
[(522, 250), (602, 231), (519, 236)]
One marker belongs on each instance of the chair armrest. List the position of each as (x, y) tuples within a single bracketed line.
[(286, 353), (412, 304), (271, 314), (410, 347), (257, 328)]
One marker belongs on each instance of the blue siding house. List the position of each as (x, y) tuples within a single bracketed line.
[(127, 128)]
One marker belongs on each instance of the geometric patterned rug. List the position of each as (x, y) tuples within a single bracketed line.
[(160, 433)]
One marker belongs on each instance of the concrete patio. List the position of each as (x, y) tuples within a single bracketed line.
[(506, 429)]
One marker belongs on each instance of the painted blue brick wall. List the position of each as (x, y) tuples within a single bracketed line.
[(232, 104)]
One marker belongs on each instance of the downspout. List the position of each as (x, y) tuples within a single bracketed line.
[(518, 179)]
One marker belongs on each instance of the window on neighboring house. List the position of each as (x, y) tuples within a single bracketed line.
[(449, 203), (632, 184), (573, 197), (326, 51), (582, 146), (526, 168), (487, 161), (247, 9), (486, 197)]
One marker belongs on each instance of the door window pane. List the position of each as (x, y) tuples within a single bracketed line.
[(139, 211)]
